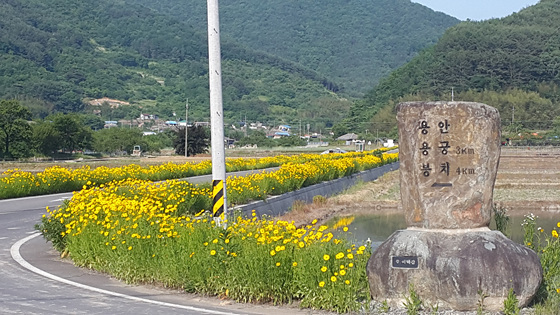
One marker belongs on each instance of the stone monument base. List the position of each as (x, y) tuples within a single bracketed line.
[(453, 268)]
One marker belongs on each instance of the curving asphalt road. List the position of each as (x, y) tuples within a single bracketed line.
[(34, 280)]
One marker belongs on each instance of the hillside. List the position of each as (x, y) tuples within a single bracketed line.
[(55, 55), (353, 42), (511, 63)]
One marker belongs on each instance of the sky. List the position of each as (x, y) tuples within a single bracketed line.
[(477, 10)]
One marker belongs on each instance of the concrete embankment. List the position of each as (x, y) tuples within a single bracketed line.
[(278, 205)]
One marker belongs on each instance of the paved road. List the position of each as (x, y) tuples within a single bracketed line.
[(34, 280)]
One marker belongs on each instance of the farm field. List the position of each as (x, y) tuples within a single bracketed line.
[(528, 181)]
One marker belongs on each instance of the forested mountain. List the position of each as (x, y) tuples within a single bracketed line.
[(511, 63), (55, 54), (354, 42)]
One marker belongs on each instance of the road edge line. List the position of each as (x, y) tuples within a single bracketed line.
[(16, 255)]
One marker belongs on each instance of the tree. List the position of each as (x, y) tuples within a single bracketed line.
[(291, 141), (93, 121), (74, 135), (198, 141), (339, 130), (258, 138), (116, 140), (14, 128), (46, 138)]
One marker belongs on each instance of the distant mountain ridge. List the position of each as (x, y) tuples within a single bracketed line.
[(512, 63), (55, 55), (353, 42)]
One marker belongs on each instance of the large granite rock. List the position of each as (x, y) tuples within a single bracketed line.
[(452, 268), (449, 154)]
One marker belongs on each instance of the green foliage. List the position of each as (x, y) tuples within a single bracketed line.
[(480, 303), (339, 130), (46, 138), (94, 122), (501, 218), (511, 64), (384, 308), (157, 142), (291, 141), (198, 140), (511, 306), (547, 247), (118, 140), (15, 132), (257, 138), (366, 40), (412, 303), (73, 134), (529, 225), (75, 51), (52, 230)]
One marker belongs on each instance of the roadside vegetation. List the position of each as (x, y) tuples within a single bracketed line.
[(162, 233), (17, 183)]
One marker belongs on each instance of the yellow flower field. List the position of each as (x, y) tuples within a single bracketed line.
[(16, 183), (142, 231)]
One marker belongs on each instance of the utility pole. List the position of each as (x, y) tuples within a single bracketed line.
[(187, 129), (452, 95), (219, 208)]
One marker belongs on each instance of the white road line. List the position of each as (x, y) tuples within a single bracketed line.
[(14, 250), (35, 197)]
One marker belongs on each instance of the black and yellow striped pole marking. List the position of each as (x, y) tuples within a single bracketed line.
[(218, 198), (219, 208)]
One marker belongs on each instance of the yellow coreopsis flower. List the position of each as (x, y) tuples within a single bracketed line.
[(326, 257)]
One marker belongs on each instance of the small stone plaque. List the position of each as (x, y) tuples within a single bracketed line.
[(409, 262)]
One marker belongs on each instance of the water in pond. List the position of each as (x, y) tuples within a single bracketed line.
[(378, 228)]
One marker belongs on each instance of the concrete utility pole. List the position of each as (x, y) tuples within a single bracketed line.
[(452, 95), (187, 128), (219, 209)]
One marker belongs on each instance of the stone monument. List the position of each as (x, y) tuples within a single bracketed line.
[(449, 154)]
